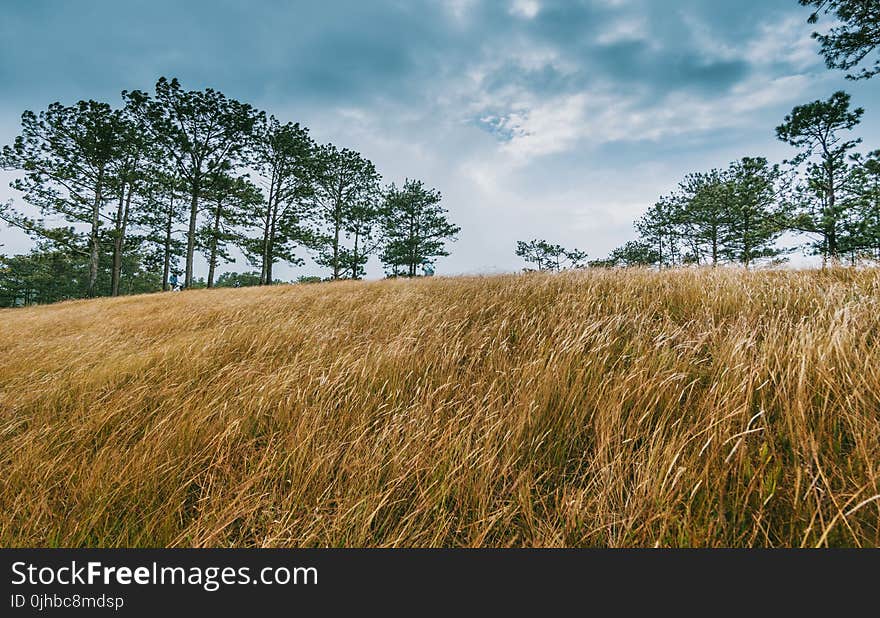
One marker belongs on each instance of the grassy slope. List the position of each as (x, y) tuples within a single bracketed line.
[(599, 408)]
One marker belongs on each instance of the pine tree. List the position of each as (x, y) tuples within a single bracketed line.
[(345, 198), (820, 203), (284, 156), (200, 131), (415, 228)]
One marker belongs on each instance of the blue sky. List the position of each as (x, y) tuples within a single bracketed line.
[(534, 118)]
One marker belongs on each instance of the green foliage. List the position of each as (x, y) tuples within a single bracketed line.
[(346, 207), (659, 229), (200, 131), (820, 205), (284, 157), (304, 279), (239, 280), (164, 207), (755, 221), (48, 274), (415, 228), (124, 194), (633, 253), (729, 215), (853, 38), (40, 277), (864, 200), (231, 203), (828, 192), (65, 156), (547, 256)]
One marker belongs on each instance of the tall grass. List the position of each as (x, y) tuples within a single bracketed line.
[(689, 408)]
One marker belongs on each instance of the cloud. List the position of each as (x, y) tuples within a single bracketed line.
[(459, 8), (631, 28), (633, 90), (550, 117), (525, 8)]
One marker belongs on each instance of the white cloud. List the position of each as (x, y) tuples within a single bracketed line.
[(532, 124), (633, 28), (528, 9), (785, 41), (459, 8), (590, 119)]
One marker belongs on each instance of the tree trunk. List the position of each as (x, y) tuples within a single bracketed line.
[(191, 234), (166, 262), (833, 249), (336, 226), (337, 223), (93, 240), (264, 260), (411, 267), (117, 258), (714, 250), (747, 247), (267, 223), (660, 251), (215, 232), (119, 241), (270, 251), (355, 274)]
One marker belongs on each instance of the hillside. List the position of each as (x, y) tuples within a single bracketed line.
[(688, 408)]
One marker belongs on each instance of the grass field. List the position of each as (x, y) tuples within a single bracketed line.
[(600, 408)]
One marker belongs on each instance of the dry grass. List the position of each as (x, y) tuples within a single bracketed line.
[(588, 409)]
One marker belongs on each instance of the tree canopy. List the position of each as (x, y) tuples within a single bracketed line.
[(125, 194), (853, 39)]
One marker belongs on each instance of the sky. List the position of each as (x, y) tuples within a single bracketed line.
[(555, 119)]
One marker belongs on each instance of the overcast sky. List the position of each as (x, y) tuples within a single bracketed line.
[(554, 119)]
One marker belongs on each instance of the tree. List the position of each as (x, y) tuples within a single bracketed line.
[(865, 192), (815, 129), (415, 228), (163, 210), (49, 273), (201, 131), (657, 228), (633, 253), (129, 178), (713, 217), (44, 275), (283, 155), (123, 193), (547, 256), (535, 252), (346, 196), (754, 221), (230, 202), (239, 280), (856, 36), (360, 226), (702, 211), (65, 154)]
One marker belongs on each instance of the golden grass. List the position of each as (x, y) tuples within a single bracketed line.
[(689, 408)]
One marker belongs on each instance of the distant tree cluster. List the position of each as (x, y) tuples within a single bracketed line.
[(728, 215), (544, 256), (828, 192), (126, 195)]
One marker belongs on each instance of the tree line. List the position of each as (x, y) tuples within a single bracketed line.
[(130, 195), (828, 193)]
